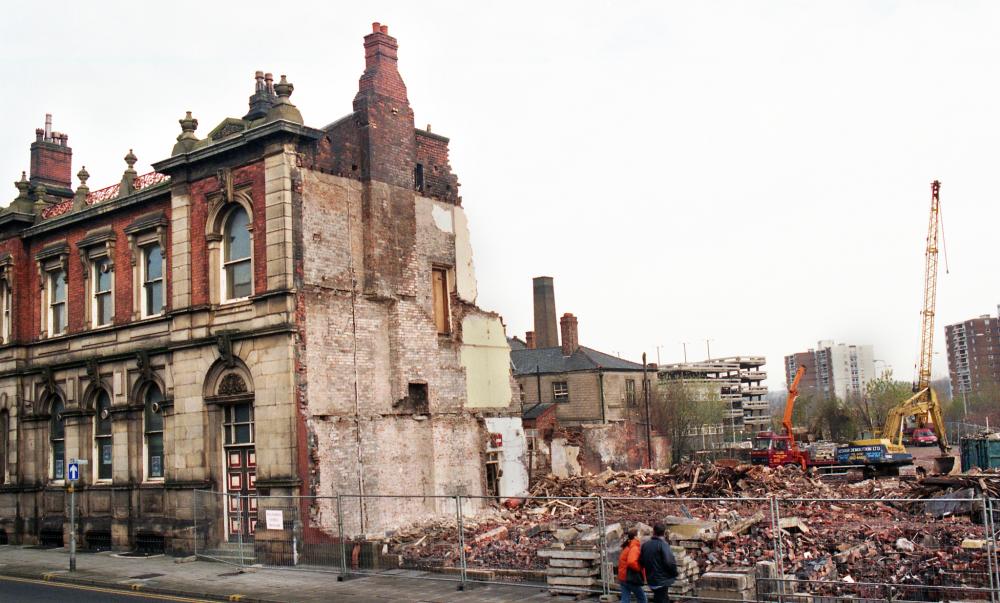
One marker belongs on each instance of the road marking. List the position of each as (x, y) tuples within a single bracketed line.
[(98, 589), (235, 597)]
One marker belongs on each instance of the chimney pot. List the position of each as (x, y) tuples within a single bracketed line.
[(375, 26), (529, 340), (384, 29)]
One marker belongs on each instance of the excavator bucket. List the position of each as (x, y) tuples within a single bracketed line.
[(944, 464)]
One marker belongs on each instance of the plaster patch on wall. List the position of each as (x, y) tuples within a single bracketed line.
[(514, 473), (485, 357), (465, 271), (443, 218), (565, 459)]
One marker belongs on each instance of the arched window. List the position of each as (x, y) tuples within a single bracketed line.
[(102, 435), (236, 272), (4, 443), (153, 427), (57, 438)]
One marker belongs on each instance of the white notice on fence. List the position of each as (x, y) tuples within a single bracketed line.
[(274, 519)]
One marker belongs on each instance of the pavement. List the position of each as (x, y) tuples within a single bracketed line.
[(163, 575)]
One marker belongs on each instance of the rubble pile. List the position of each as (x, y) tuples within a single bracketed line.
[(909, 537)]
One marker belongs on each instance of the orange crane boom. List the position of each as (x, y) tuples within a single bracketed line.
[(793, 393)]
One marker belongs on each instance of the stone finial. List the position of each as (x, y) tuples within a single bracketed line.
[(130, 159), (127, 186), (80, 198), (23, 186), (22, 204), (283, 107), (284, 88), (41, 200), (187, 139)]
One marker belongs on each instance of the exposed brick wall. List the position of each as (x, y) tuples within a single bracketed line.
[(432, 154)]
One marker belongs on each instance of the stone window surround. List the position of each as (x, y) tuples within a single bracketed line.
[(219, 209), (96, 245), (6, 297), (5, 416), (144, 395), (92, 405), (51, 399), (50, 259), (142, 233)]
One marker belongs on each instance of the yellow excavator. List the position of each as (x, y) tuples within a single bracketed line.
[(924, 403)]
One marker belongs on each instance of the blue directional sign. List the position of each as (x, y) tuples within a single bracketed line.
[(73, 473)]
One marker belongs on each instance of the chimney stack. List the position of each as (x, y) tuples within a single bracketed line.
[(546, 328), (51, 158), (529, 340), (570, 334), (388, 139)]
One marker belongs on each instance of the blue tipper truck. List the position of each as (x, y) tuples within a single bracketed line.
[(981, 451), (875, 457)]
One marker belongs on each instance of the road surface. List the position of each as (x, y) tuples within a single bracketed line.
[(19, 590)]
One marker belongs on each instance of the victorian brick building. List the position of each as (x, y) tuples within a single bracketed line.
[(277, 309)]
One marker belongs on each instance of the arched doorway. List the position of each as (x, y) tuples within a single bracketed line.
[(232, 392)]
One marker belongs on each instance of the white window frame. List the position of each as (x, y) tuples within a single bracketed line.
[(223, 264), (51, 275), (6, 301), (95, 266), (142, 282), (562, 395)]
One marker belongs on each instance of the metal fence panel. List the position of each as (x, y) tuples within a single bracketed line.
[(788, 549)]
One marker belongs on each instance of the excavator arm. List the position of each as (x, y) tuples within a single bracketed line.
[(793, 393), (924, 402)]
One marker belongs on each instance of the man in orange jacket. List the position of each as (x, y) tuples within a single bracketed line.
[(631, 576)]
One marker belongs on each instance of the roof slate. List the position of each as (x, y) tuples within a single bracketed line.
[(551, 360)]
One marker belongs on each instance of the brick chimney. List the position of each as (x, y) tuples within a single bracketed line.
[(51, 158), (383, 109), (529, 340), (570, 334), (546, 329)]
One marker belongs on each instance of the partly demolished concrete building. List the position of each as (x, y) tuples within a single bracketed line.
[(277, 310)]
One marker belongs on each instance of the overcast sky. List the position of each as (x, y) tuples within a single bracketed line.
[(753, 173)]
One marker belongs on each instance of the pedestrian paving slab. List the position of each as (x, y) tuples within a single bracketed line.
[(220, 581)]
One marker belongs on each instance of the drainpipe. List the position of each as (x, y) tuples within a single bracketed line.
[(538, 382), (600, 384), (645, 395)]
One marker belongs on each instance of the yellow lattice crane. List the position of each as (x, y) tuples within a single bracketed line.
[(924, 402)]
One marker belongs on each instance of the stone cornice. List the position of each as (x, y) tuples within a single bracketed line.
[(234, 142)]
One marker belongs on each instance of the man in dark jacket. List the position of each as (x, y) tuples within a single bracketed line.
[(657, 560)]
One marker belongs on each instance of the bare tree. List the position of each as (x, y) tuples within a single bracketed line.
[(881, 395), (680, 410)]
